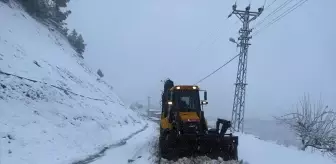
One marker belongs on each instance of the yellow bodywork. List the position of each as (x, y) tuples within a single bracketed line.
[(165, 123), (188, 115), (183, 115)]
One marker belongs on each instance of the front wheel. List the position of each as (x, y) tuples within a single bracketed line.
[(167, 146), (163, 144)]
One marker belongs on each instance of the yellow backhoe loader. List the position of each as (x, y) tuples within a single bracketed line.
[(183, 128)]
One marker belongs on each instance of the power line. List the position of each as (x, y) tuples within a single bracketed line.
[(274, 11), (291, 9), (210, 35), (269, 4), (218, 68)]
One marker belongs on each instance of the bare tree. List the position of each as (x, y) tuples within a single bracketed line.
[(314, 124)]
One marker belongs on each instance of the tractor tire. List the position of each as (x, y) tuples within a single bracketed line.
[(167, 147), (163, 145)]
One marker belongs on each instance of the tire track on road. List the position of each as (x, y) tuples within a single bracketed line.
[(101, 153)]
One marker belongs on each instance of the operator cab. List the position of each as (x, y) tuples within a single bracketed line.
[(186, 107), (186, 98)]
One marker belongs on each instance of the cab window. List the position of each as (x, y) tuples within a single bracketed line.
[(187, 100)]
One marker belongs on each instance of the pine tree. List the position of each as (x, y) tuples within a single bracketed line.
[(61, 3), (50, 10), (39, 8), (64, 31), (46, 9), (79, 44), (59, 16), (73, 37)]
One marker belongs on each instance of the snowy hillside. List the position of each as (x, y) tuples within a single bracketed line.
[(53, 108)]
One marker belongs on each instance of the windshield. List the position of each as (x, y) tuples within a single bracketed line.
[(187, 100)]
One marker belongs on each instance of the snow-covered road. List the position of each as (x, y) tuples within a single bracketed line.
[(140, 149), (116, 145)]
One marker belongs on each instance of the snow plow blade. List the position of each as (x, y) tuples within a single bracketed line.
[(213, 144)]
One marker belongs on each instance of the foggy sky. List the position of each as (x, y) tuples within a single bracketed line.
[(139, 43)]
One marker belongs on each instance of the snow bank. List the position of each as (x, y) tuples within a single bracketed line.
[(54, 109), (143, 149), (202, 160), (256, 151), (252, 150)]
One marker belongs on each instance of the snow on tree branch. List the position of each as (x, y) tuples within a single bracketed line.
[(314, 124)]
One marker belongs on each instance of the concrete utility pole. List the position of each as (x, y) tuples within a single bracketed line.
[(238, 110), (148, 106)]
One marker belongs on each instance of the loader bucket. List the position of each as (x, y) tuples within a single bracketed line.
[(214, 144), (219, 144), (211, 145)]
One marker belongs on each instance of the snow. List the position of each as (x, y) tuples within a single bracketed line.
[(58, 62), (256, 151), (155, 118), (155, 110), (53, 107), (202, 159), (143, 149), (139, 149)]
